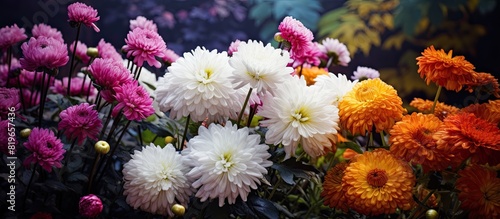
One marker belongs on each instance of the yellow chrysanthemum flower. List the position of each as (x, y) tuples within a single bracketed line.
[(310, 73), (378, 183), (371, 103)]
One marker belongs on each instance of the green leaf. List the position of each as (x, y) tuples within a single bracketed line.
[(264, 208), (351, 145), (291, 168), (332, 17), (407, 16), (77, 177)]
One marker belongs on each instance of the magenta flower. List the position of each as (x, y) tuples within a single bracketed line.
[(90, 206), (43, 52), (233, 47), (145, 45), (109, 74), (108, 51), (310, 55), (4, 72), (143, 23), (169, 56), (81, 52), (296, 34), (80, 122), (46, 31), (133, 101), (4, 139), (28, 79), (47, 150), (9, 97), (11, 35), (82, 13), (35, 98), (78, 87)]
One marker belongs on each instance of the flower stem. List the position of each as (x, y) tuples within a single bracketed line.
[(43, 96), (382, 138), (23, 104), (244, 107), (184, 135), (252, 113), (108, 156), (73, 57), (436, 99), (66, 158), (29, 186), (106, 123), (9, 63)]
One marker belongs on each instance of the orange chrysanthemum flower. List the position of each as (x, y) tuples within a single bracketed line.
[(484, 111), (441, 68), (463, 133), (310, 73), (371, 103), (485, 80), (332, 188), (378, 183), (411, 140), (479, 192), (441, 110)]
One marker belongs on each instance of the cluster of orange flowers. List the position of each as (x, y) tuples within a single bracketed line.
[(438, 137)]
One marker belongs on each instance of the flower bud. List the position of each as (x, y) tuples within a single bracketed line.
[(92, 52), (102, 147), (169, 139), (278, 38), (90, 206), (178, 210), (431, 214), (25, 133)]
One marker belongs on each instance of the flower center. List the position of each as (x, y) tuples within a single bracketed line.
[(377, 178), (424, 137), (364, 94), (224, 163), (298, 117)]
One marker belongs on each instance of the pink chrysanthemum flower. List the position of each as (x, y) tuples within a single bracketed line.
[(82, 13), (79, 87), (108, 51), (9, 97), (43, 52), (309, 55), (7, 147), (143, 23), (11, 35), (46, 31), (47, 150), (109, 74), (81, 51), (145, 45), (365, 73), (4, 72), (31, 78), (233, 47), (133, 101), (80, 122), (90, 206), (296, 33), (169, 56), (30, 100), (337, 51)]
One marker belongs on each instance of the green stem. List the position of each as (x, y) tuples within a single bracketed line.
[(244, 107), (382, 137), (275, 188), (29, 186), (436, 99), (71, 68), (184, 135)]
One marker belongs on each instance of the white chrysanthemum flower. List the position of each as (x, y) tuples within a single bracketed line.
[(227, 162), (334, 86), (365, 73), (300, 114), (260, 66), (337, 50), (155, 179), (198, 85)]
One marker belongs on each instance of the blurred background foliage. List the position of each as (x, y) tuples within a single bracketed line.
[(383, 34)]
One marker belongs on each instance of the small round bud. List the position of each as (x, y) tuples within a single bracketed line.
[(102, 147), (53, 72), (92, 52), (25, 133), (431, 214), (278, 38), (169, 139), (178, 210)]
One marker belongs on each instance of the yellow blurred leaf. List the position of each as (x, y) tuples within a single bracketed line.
[(388, 20), (394, 41)]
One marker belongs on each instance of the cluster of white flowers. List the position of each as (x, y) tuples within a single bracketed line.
[(225, 162)]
